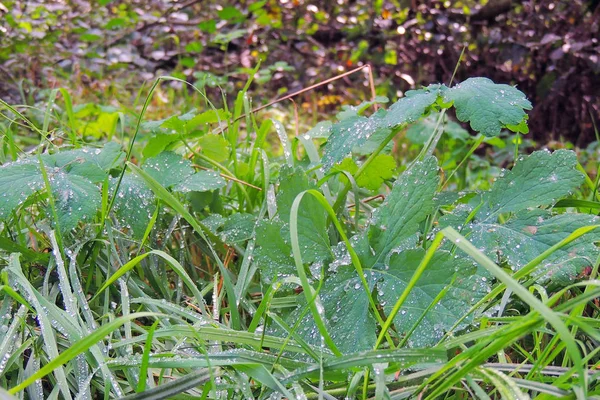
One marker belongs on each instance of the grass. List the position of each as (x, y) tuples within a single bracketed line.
[(184, 312)]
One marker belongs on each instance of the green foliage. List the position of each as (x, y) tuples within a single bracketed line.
[(346, 267), (489, 107)]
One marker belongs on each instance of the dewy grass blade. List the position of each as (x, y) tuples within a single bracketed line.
[(411, 284), (16, 296), (401, 358), (174, 264), (78, 348), (145, 357), (164, 195), (300, 265), (52, 203), (48, 335), (565, 203), (173, 388), (261, 374), (7, 343), (69, 109), (524, 294)]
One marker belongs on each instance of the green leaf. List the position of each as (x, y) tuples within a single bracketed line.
[(189, 121), (346, 305), (134, 204), (91, 163), (421, 131), (194, 47), (530, 233), (352, 111), (238, 228), (407, 205), (348, 133), (413, 106), (537, 180), (355, 130), (215, 147), (380, 169), (312, 219), (394, 226), (489, 107), (168, 168), (208, 117), (346, 313), (466, 288), (231, 14), (273, 254), (202, 181), (77, 199), (320, 130), (158, 143), (18, 181), (209, 26)]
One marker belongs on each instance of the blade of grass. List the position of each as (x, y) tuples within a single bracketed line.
[(164, 195), (524, 294), (170, 260), (78, 348), (145, 357)]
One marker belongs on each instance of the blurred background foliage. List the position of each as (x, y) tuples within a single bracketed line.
[(103, 50)]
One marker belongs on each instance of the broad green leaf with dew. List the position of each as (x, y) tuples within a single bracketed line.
[(18, 181), (201, 181), (488, 106), (168, 168), (134, 205), (77, 199)]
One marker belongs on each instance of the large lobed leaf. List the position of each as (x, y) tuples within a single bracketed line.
[(134, 205), (77, 199), (273, 253), (312, 218), (488, 106), (398, 218), (536, 181), (72, 174), (18, 181), (354, 131), (389, 260)]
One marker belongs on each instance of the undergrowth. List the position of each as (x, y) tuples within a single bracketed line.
[(198, 257)]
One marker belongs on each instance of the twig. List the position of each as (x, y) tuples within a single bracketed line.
[(316, 85), (230, 177), (368, 199)]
